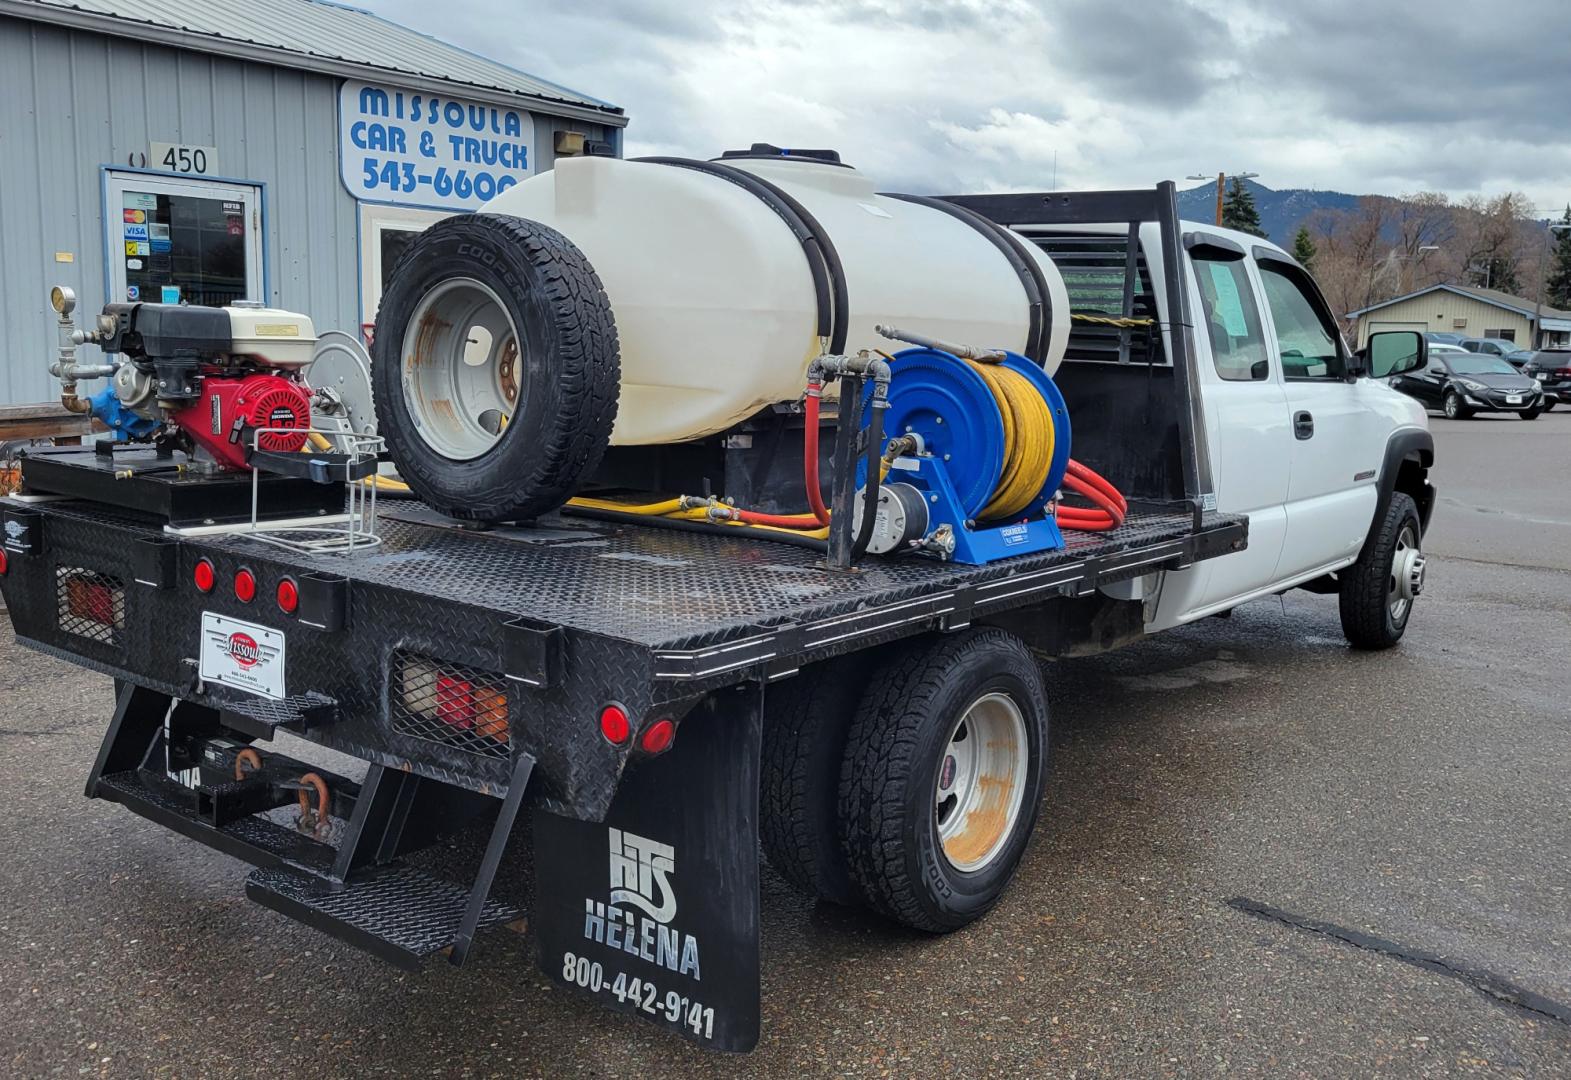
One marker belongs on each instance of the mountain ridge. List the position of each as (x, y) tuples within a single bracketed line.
[(1281, 211)]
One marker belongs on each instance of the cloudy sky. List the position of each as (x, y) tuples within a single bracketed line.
[(1383, 96)]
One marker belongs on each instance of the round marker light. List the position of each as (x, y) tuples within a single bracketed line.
[(614, 725), (5, 562), (245, 586), (203, 576), (288, 596), (658, 737)]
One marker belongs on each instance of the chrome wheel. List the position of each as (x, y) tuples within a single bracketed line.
[(461, 368), (1407, 575), (981, 782)]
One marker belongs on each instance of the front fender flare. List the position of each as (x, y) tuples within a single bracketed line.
[(1414, 445)]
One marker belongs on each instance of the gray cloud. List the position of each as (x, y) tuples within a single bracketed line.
[(972, 95)]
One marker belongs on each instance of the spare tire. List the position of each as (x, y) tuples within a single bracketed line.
[(496, 367)]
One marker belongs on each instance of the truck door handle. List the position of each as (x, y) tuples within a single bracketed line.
[(1303, 425)]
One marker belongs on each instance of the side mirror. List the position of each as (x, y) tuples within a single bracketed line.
[(1396, 352)]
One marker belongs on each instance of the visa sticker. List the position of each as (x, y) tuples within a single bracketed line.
[(135, 232), (169, 294)]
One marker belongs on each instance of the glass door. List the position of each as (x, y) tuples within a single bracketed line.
[(385, 233), (183, 241)]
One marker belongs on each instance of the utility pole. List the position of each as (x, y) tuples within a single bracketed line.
[(1221, 184)]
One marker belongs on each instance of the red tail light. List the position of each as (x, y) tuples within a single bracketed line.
[(203, 576), (93, 600), (455, 701), (288, 596), (614, 725), (658, 737), (245, 586)]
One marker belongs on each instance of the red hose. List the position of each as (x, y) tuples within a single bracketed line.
[(1108, 508), (815, 497), (779, 521)]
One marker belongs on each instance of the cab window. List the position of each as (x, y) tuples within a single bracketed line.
[(1232, 320), (1305, 339)]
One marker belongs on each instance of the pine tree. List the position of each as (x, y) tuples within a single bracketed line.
[(1238, 210), (1304, 249), (1557, 288)]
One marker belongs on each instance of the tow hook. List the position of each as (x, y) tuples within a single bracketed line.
[(312, 821), (250, 757)]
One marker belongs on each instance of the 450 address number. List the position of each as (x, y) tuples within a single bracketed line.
[(640, 994)]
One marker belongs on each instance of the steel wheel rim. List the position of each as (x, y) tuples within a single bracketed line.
[(461, 389), (1407, 574), (981, 782)]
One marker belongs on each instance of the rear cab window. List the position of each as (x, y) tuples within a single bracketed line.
[(1232, 320)]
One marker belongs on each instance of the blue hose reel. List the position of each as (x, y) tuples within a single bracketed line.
[(932, 499)]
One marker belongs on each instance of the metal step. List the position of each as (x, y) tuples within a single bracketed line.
[(255, 839), (400, 914), (260, 717)]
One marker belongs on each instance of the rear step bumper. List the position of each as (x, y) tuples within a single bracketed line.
[(399, 914), (350, 880)]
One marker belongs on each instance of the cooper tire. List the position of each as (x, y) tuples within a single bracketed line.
[(1365, 594), (806, 719), (895, 750), (565, 369)]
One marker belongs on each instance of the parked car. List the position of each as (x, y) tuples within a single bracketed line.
[(1518, 357), (1443, 337), (1551, 368), (1462, 383), (1492, 346)]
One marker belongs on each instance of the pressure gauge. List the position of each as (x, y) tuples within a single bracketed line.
[(62, 299)]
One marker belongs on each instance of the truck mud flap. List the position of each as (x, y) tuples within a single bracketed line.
[(655, 911)]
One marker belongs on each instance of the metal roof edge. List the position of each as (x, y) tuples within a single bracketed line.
[(1458, 290), (468, 52), (192, 41)]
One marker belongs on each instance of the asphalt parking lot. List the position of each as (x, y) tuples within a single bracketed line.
[(1260, 855)]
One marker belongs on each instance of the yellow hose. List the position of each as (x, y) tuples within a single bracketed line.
[(1028, 440), (658, 509)]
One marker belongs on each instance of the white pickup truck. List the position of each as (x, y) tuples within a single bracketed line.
[(664, 699)]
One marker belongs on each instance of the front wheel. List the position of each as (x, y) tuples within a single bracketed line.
[(1453, 407), (1377, 591), (942, 778)]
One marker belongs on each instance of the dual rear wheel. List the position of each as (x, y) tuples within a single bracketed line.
[(910, 786)]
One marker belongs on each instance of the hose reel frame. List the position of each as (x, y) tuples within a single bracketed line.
[(939, 397)]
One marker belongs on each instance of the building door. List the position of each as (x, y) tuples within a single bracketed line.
[(385, 234), (181, 240)]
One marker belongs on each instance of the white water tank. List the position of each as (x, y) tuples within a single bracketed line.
[(712, 293)]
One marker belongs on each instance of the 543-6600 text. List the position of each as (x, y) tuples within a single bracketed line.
[(640, 994)]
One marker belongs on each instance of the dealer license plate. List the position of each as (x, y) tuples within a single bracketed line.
[(242, 655), (1514, 399)]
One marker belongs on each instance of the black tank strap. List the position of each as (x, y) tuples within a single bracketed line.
[(1012, 247), (823, 261)]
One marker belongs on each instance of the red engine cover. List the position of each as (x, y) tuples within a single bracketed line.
[(222, 418)]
